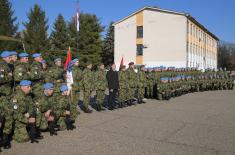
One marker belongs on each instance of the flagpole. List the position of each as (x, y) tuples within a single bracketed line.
[(77, 17)]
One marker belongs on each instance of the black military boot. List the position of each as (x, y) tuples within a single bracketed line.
[(51, 128), (6, 141), (38, 134), (87, 110), (124, 104), (98, 107), (32, 132), (120, 105)]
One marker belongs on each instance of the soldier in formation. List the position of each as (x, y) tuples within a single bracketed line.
[(34, 97)]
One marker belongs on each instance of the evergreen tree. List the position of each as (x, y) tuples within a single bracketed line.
[(73, 39), (89, 39), (108, 49), (59, 36), (35, 34), (7, 25), (72, 35)]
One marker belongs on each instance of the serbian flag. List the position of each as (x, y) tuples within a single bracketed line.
[(76, 18), (68, 68)]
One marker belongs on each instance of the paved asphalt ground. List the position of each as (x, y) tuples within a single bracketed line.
[(197, 124)]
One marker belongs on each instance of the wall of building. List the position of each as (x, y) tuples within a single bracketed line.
[(165, 36), (202, 48), (125, 41), (169, 40)]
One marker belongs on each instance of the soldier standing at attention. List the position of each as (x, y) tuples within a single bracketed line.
[(123, 91), (55, 74), (6, 77), (37, 73), (77, 77), (87, 86), (132, 81), (141, 84), (22, 70), (101, 85), (6, 80)]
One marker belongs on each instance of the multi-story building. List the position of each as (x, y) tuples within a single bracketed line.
[(158, 37)]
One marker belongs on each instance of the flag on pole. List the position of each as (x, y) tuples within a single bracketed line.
[(76, 18), (68, 68)]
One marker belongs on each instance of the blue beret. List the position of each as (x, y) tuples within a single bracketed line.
[(74, 61), (35, 55), (13, 53), (5, 54), (57, 59), (21, 55), (64, 88), (25, 83), (48, 86)]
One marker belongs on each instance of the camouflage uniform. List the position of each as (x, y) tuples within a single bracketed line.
[(77, 77), (37, 76), (55, 75), (87, 86), (101, 85), (132, 80), (6, 80), (141, 78), (22, 104), (124, 85)]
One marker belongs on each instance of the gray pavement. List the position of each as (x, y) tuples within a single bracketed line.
[(194, 124)]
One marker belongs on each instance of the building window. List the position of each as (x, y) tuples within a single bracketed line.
[(139, 49), (139, 31)]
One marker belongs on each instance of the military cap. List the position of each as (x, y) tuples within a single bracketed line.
[(25, 83), (64, 88), (74, 61), (5, 54), (131, 63), (48, 86), (57, 59), (35, 55), (13, 53), (24, 54)]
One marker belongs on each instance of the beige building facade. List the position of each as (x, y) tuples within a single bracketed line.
[(157, 37)]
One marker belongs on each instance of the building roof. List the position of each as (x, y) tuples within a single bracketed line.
[(172, 12)]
